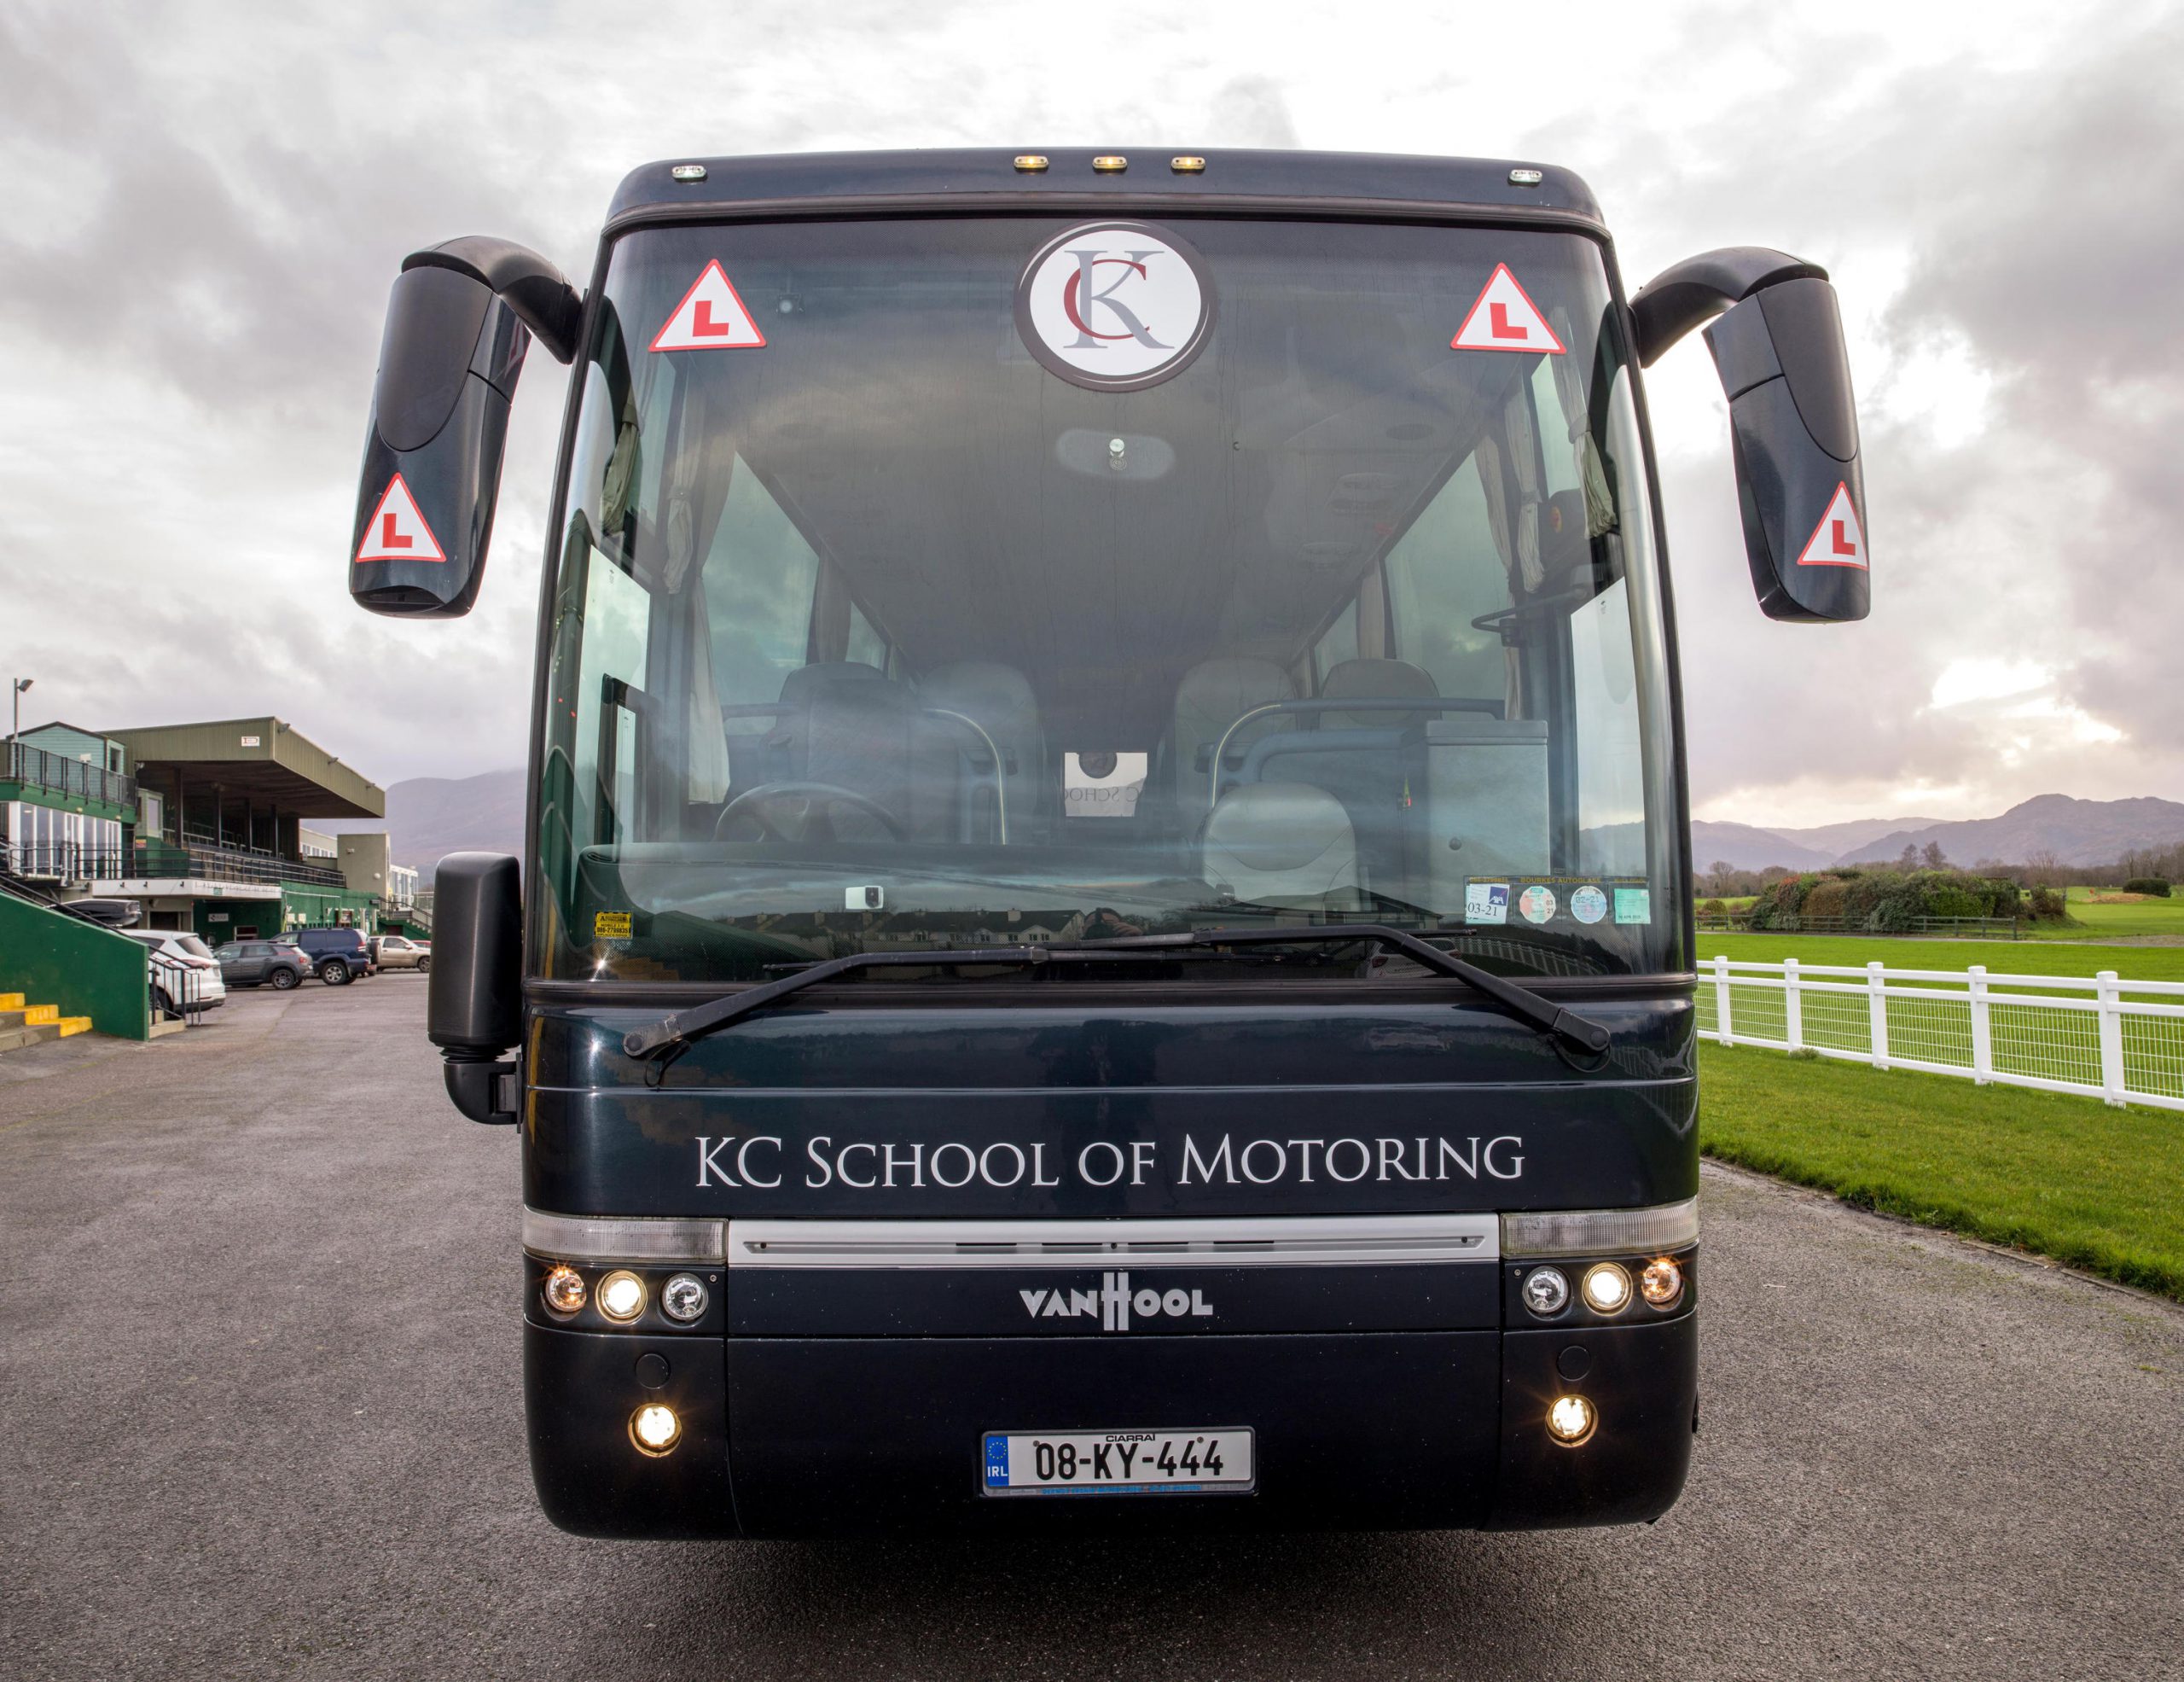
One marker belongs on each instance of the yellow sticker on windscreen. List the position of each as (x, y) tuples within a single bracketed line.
[(611, 926)]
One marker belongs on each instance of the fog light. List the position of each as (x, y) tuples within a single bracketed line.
[(1662, 1282), (622, 1295), (653, 1428), (1607, 1289), (683, 1298), (565, 1290), (1546, 1291), (1570, 1420)]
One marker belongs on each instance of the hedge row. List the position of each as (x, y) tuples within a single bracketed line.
[(1893, 901)]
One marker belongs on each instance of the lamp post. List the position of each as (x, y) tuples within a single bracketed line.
[(15, 728)]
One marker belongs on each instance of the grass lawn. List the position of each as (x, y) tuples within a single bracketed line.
[(2007, 958), (2096, 1188), (2145, 919)]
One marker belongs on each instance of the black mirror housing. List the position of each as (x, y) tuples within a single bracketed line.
[(473, 1008), (1792, 419), (458, 323), (1793, 429)]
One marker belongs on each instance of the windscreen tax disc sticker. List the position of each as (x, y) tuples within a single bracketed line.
[(1588, 903), (1115, 306), (1536, 902)]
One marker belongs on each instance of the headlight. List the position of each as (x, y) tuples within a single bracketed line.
[(1607, 1289), (1662, 1282), (654, 1429), (683, 1298), (1570, 1420), (622, 1295), (1546, 1292), (564, 1290)]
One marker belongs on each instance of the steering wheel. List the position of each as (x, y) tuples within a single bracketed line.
[(751, 804)]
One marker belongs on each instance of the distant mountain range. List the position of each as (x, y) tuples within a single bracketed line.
[(429, 816), (2077, 832)]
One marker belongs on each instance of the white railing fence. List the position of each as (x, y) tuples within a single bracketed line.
[(2098, 1036)]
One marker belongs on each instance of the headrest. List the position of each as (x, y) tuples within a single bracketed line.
[(800, 685), (998, 696), (1279, 826), (1222, 688), (1379, 680)]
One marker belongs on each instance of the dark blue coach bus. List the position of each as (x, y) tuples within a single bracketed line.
[(1106, 931)]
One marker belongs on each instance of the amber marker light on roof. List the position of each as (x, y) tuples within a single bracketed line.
[(1030, 162), (1187, 165), (1109, 163)]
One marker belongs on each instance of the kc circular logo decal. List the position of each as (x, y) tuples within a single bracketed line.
[(1115, 305)]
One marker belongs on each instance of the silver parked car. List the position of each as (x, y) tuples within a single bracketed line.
[(399, 952)]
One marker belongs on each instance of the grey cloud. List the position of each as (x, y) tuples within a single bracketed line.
[(1252, 111), (2037, 207), (242, 185)]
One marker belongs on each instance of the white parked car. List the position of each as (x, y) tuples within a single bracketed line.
[(183, 970)]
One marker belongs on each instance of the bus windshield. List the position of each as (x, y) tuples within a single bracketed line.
[(941, 583)]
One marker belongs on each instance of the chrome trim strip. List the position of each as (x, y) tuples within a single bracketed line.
[(559, 1237), (1665, 1226), (1310, 1241)]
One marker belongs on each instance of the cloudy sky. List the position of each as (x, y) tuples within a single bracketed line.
[(206, 204)]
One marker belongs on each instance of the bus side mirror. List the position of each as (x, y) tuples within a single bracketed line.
[(1777, 340), (459, 320), (473, 1008)]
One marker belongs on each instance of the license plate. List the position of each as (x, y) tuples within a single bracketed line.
[(1119, 1463)]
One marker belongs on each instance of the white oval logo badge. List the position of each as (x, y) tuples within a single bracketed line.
[(1115, 305)]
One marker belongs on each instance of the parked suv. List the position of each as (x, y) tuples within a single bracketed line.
[(274, 963), (399, 952), (184, 971), (338, 955)]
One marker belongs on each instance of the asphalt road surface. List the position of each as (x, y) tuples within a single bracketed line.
[(260, 1415)]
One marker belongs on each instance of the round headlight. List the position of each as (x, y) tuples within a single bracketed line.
[(1546, 1291), (622, 1295), (564, 1290), (1570, 1420), (654, 1429), (1607, 1289), (1662, 1282), (683, 1298)]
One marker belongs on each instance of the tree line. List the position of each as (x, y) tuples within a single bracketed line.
[(2044, 868)]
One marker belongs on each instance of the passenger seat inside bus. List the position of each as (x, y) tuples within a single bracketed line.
[(999, 702), (850, 724), (1214, 694), (1375, 680)]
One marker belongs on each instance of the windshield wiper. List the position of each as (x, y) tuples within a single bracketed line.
[(1518, 1001), (681, 1027)]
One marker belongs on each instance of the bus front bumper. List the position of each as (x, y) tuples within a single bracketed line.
[(836, 1436)]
